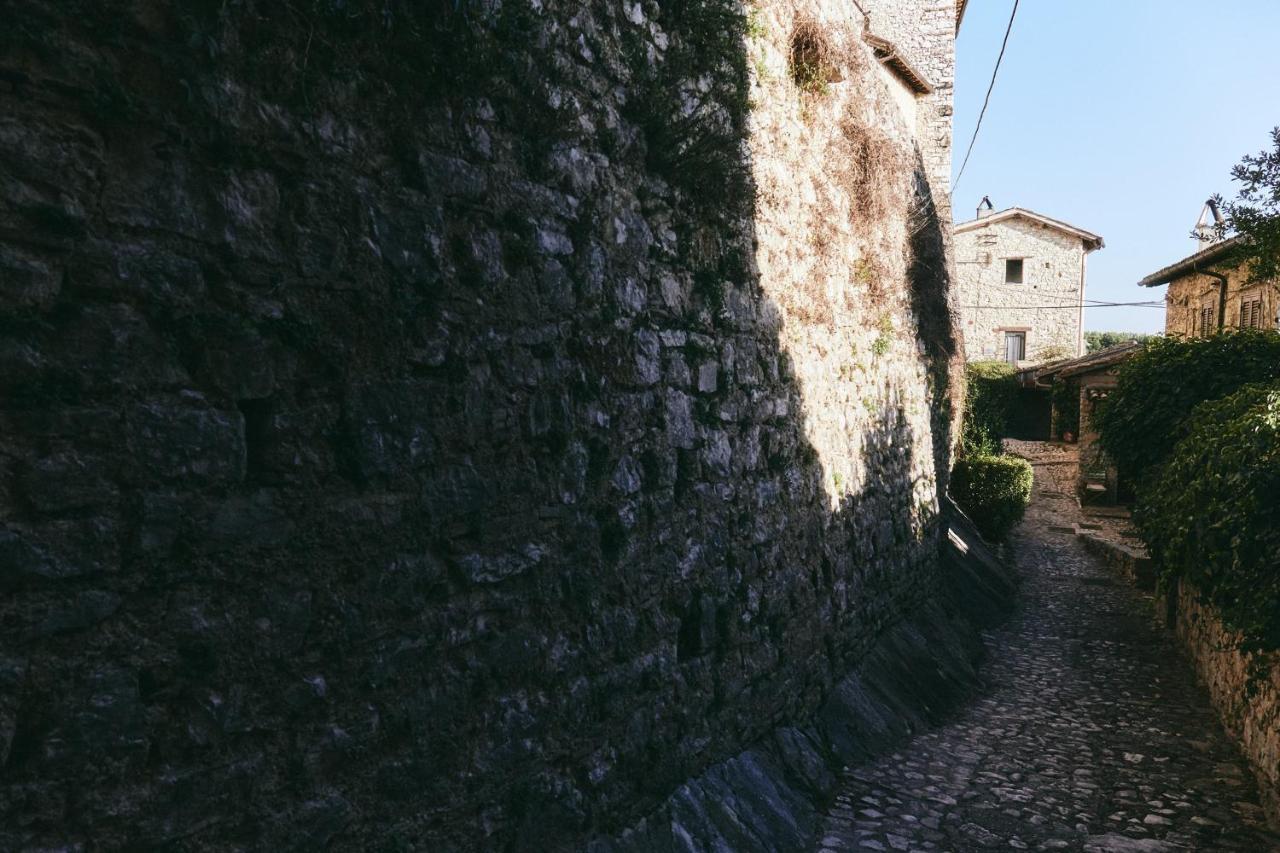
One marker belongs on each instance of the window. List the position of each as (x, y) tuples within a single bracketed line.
[(1206, 319), (1013, 271), (1015, 346), (1251, 311)]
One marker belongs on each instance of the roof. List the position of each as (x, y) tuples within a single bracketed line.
[(1085, 363), (960, 7), (1198, 262), (887, 53), (1092, 241)]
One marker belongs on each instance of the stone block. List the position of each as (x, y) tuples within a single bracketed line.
[(188, 443)]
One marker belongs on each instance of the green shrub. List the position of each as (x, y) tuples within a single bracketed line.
[(1159, 386), (990, 392), (1212, 517), (993, 491)]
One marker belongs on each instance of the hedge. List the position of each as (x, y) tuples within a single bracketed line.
[(993, 491), (1159, 386), (1212, 517), (990, 393)]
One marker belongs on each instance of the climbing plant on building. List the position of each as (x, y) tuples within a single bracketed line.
[(1212, 517), (1161, 384)]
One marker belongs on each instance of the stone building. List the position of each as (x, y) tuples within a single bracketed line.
[(1089, 380), (1209, 290), (1020, 283)]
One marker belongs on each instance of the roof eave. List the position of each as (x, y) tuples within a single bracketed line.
[(1086, 363), (1192, 264), (1093, 242), (887, 53)]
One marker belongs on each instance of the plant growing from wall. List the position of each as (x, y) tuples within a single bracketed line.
[(1161, 384), (812, 68), (1212, 517), (693, 104)]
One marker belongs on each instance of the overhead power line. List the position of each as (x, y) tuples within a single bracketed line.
[(987, 99), (1075, 307)]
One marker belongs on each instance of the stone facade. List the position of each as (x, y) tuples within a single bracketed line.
[(924, 32), (1046, 307), (1192, 302), (451, 426)]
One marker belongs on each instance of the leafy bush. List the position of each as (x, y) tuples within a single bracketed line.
[(1213, 515), (990, 393), (1160, 385), (993, 491)]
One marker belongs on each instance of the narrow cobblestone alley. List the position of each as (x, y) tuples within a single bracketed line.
[(1092, 733)]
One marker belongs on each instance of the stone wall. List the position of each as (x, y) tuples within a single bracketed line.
[(924, 31), (1244, 687), (1046, 305), (448, 426), (1187, 295)]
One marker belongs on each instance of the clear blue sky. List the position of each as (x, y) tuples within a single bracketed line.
[(1119, 117)]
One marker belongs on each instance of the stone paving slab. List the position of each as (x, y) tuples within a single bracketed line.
[(1091, 736)]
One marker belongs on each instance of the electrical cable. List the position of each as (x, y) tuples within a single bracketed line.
[(1074, 307), (987, 100)]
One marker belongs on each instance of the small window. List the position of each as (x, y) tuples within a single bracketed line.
[(1013, 271), (1015, 346), (1207, 319), (1251, 313)]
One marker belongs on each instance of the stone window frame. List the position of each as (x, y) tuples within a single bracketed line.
[(1004, 331), (1022, 270)]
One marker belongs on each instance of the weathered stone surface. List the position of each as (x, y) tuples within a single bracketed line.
[(409, 444)]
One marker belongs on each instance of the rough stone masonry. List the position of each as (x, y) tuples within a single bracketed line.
[(450, 425)]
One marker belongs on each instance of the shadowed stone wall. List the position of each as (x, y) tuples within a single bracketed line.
[(416, 434)]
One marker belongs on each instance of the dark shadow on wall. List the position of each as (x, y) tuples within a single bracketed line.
[(397, 447)]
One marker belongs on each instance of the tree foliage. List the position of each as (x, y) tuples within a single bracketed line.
[(1095, 341), (1161, 384), (1212, 517), (1255, 212)]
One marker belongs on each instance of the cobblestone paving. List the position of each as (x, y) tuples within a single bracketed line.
[(1092, 734)]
